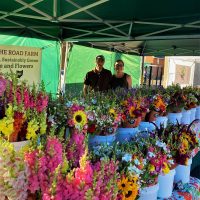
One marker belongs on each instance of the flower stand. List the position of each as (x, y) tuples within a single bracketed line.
[(186, 114), (174, 117), (166, 184), (146, 126), (197, 114), (101, 139), (149, 193), (192, 116), (183, 172), (125, 134), (19, 145), (161, 120)]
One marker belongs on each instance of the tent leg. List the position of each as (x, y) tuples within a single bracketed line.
[(63, 63), (142, 71)]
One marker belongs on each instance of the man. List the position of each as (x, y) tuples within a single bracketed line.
[(99, 78)]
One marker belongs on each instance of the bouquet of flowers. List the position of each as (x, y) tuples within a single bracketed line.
[(103, 114), (77, 117), (146, 159), (132, 112), (13, 173), (177, 99), (182, 141), (159, 104), (191, 97), (24, 110)]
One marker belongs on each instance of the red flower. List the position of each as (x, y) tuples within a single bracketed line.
[(91, 128), (123, 117)]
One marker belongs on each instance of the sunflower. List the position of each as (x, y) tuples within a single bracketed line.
[(131, 112), (132, 194), (113, 113), (134, 179), (79, 118), (124, 185)]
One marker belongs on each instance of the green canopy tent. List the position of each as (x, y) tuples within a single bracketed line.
[(143, 22)]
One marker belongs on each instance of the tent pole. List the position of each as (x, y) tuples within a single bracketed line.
[(63, 63), (142, 72)]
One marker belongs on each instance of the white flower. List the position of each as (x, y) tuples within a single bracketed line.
[(137, 162), (160, 144), (151, 155), (134, 169), (69, 104), (171, 162), (127, 157)]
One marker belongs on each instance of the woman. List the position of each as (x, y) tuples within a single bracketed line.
[(120, 79)]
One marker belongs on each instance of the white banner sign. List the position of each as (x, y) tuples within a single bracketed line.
[(25, 61)]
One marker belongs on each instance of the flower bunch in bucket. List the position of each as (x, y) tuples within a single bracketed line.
[(131, 112), (103, 114), (191, 98), (178, 99), (24, 110), (13, 173), (158, 159), (157, 107), (182, 140), (76, 116)]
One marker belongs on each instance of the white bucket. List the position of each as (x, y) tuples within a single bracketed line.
[(146, 126), (185, 117), (19, 145), (125, 134), (174, 117), (161, 120), (166, 184), (193, 113), (183, 172), (101, 139), (149, 193), (197, 114)]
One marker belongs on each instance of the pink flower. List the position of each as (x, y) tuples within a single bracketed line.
[(3, 84), (26, 99), (42, 102), (76, 147)]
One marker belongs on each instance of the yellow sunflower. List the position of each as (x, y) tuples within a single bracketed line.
[(134, 179), (132, 194), (131, 112), (79, 118), (113, 113), (124, 185)]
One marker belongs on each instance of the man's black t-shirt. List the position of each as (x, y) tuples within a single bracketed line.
[(98, 81)]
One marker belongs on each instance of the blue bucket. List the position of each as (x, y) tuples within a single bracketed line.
[(174, 117), (161, 120), (95, 140), (125, 134), (146, 126)]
